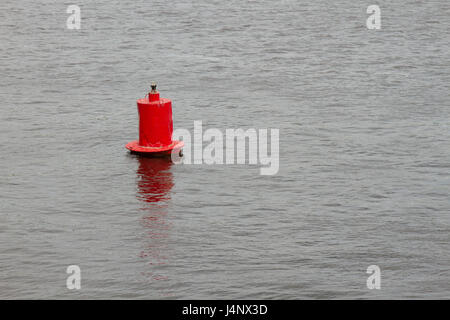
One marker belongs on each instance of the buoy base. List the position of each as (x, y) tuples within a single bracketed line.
[(163, 151)]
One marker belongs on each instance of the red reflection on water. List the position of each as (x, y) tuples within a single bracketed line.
[(155, 179), (155, 182)]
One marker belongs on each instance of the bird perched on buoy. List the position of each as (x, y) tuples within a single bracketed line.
[(155, 127)]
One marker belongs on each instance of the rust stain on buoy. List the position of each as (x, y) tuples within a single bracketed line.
[(155, 127)]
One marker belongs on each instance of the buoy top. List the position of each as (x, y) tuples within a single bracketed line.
[(153, 95)]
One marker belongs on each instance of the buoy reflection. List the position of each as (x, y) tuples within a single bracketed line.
[(155, 182)]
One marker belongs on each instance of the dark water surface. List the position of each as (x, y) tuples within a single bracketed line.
[(364, 150)]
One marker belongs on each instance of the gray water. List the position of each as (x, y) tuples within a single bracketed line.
[(364, 150)]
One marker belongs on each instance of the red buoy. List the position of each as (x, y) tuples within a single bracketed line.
[(155, 127)]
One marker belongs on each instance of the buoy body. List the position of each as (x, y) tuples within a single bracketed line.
[(155, 121), (155, 127)]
